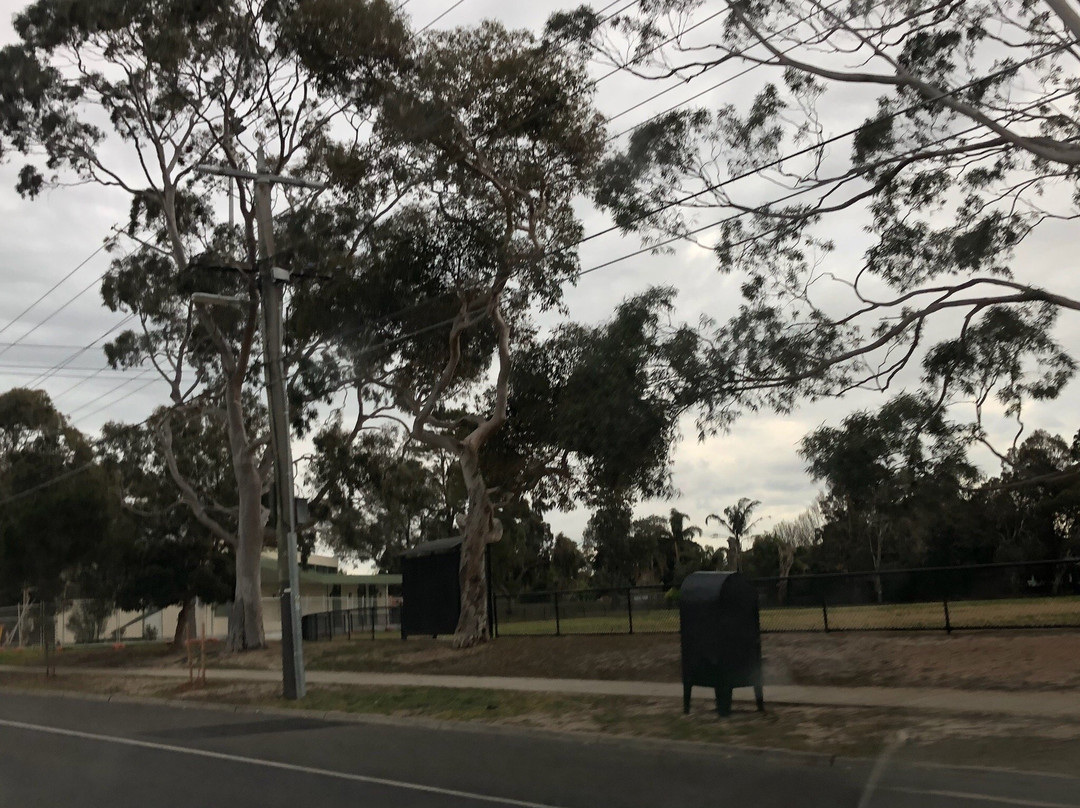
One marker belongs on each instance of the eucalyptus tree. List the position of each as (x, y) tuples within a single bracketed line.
[(791, 536), (595, 413), (134, 97), (964, 147), (500, 132), (1033, 506), (888, 473), (380, 494)]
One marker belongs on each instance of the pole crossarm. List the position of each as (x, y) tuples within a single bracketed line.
[(256, 176)]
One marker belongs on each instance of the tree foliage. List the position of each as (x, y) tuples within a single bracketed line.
[(967, 148), (56, 506), (738, 522), (889, 474), (168, 557)]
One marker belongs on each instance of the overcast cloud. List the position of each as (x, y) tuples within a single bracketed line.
[(43, 240)]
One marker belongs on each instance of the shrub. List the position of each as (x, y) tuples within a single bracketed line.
[(88, 618)]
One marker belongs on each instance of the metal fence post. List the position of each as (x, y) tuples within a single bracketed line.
[(495, 615), (373, 608), (825, 613), (630, 608), (948, 622), (558, 627)]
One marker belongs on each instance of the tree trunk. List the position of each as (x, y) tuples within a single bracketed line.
[(733, 554), (246, 618), (185, 624), (787, 560), (875, 553), (878, 592), (481, 529)]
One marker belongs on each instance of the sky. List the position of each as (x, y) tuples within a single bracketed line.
[(43, 240)]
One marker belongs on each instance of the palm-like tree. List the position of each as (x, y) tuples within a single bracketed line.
[(736, 520), (680, 531)]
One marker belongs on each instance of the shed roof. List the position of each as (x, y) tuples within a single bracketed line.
[(269, 569), (433, 547)]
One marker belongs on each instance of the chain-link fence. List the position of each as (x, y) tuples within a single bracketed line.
[(75, 622), (1038, 594)]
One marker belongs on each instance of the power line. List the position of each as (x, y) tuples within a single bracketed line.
[(455, 5), (64, 362), (62, 476), (681, 237), (816, 146), (724, 81), (85, 376), (48, 483), (51, 346), (154, 378), (724, 183), (38, 368), (71, 300), (105, 245), (77, 384)]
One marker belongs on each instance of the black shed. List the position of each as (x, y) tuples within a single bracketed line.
[(431, 588)]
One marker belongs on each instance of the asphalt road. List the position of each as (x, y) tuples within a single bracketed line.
[(58, 751)]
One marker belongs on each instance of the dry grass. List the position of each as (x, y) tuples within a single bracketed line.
[(1018, 612)]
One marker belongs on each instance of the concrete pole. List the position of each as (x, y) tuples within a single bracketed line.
[(292, 652)]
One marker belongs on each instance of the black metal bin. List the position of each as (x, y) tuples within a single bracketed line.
[(720, 634)]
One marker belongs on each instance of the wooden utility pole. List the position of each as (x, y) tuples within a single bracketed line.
[(271, 282)]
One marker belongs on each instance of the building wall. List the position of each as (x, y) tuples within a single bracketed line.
[(214, 620)]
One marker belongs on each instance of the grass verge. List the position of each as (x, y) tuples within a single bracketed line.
[(991, 741), (539, 619)]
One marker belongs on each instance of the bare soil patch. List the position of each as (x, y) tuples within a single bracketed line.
[(1003, 660), (998, 660), (993, 660)]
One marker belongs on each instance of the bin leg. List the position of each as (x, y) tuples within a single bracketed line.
[(723, 700), (686, 698), (759, 697)]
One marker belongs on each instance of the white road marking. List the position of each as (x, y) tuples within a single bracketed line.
[(272, 764), (965, 795), (448, 792)]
